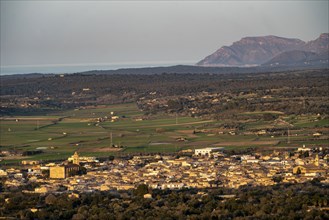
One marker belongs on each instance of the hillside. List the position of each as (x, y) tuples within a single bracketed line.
[(254, 51), (294, 57), (319, 45)]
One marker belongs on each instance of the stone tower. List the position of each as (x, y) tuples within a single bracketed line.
[(76, 159)]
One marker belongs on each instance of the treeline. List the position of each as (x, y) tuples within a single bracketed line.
[(300, 201), (54, 92), (301, 83)]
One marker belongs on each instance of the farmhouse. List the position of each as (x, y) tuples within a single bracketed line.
[(30, 162), (303, 149)]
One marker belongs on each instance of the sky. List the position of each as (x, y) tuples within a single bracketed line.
[(41, 33)]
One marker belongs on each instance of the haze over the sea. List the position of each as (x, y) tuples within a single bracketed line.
[(75, 68)]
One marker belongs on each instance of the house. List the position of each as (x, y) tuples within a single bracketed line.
[(252, 161), (317, 134), (303, 149), (172, 185), (207, 151), (3, 173), (30, 162), (42, 189), (104, 188), (147, 196)]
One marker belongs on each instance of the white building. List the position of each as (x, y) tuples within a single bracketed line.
[(83, 159), (3, 173), (303, 149), (207, 151), (247, 157)]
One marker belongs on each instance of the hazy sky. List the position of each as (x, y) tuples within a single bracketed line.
[(84, 32)]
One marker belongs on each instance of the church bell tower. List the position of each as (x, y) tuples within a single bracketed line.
[(76, 159)]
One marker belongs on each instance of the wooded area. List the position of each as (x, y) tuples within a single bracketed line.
[(283, 201), (293, 92)]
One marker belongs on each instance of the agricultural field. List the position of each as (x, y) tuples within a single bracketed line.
[(92, 132)]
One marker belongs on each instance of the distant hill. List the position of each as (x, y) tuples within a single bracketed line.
[(184, 69), (179, 69), (267, 50), (294, 57)]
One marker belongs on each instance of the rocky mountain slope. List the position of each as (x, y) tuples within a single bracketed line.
[(319, 45), (296, 57), (270, 50)]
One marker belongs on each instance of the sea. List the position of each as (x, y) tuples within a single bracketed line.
[(76, 68)]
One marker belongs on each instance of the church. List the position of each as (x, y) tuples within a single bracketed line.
[(312, 169), (66, 170)]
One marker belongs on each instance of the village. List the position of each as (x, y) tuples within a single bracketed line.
[(206, 168)]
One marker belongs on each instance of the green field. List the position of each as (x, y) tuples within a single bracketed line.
[(60, 134)]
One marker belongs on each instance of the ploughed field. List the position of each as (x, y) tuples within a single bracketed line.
[(92, 132)]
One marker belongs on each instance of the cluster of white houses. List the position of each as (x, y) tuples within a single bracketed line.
[(208, 167)]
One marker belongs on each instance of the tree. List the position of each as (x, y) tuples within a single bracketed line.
[(269, 117), (50, 199), (141, 190), (306, 154), (174, 105), (277, 179), (45, 173), (78, 216), (299, 171)]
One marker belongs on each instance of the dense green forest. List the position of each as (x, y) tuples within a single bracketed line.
[(283, 201)]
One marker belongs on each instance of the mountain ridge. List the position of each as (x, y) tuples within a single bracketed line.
[(256, 51)]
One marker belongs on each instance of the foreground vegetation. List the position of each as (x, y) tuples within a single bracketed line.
[(300, 201)]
